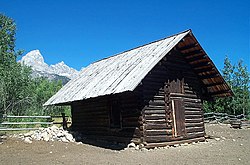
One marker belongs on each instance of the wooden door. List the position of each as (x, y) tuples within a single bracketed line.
[(178, 117), (174, 97)]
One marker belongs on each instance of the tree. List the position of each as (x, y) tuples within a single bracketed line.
[(237, 77), (7, 40), (20, 94), (7, 60)]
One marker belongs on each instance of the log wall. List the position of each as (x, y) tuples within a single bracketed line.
[(158, 93), (147, 113), (92, 118)]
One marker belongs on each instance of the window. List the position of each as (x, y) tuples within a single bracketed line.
[(115, 114)]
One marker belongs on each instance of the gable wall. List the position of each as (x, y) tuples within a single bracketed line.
[(157, 114)]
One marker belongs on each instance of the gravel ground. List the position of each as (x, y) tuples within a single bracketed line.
[(225, 146)]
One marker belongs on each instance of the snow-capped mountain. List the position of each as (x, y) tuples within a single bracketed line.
[(35, 60)]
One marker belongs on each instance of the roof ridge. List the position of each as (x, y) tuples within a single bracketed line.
[(142, 45)]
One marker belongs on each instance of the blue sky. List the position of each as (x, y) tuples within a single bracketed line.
[(80, 32)]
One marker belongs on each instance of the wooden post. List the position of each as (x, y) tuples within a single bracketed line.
[(64, 121)]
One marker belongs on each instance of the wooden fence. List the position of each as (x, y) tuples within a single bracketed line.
[(35, 121), (221, 117)]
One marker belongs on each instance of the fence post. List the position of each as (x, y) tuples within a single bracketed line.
[(64, 121)]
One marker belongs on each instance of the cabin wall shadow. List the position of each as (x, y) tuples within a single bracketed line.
[(92, 119)]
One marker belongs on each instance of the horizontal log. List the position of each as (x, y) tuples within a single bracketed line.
[(158, 132), (149, 126), (90, 102), (149, 112), (195, 134), (92, 125), (193, 105), (131, 124), (187, 112), (88, 128), (187, 47), (129, 106), (163, 144), (200, 124), (195, 129), (157, 138), (192, 108), (130, 119), (183, 95), (90, 109), (90, 121), (156, 103), (200, 64), (92, 113), (155, 117), (158, 121), (134, 114), (156, 106), (192, 53), (192, 100), (214, 84), (194, 120), (193, 116), (158, 97)]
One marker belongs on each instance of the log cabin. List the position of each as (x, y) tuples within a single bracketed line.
[(151, 95)]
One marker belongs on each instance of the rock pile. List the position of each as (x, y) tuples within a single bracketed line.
[(52, 133)]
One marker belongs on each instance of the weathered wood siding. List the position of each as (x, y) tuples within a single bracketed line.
[(160, 94), (166, 108), (92, 118)]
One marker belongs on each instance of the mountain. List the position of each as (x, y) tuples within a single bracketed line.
[(59, 71)]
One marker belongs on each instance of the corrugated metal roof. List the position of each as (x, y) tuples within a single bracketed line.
[(116, 74)]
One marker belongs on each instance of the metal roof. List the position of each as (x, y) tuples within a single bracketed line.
[(118, 73)]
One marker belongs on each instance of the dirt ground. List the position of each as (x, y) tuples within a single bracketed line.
[(226, 146)]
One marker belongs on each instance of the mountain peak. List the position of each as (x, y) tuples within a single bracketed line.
[(35, 60), (60, 63)]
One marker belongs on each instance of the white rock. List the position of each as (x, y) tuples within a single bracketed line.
[(144, 149), (27, 140), (3, 137), (217, 139), (166, 147), (64, 140), (184, 144), (137, 147), (60, 134), (79, 143), (223, 138), (28, 133), (54, 128), (176, 145), (69, 137), (131, 145), (45, 136)]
